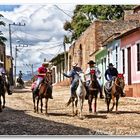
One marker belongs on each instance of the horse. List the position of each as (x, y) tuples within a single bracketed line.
[(114, 90), (2, 93), (20, 82), (79, 96), (93, 91), (44, 91)]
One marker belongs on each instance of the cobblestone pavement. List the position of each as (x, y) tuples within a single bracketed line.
[(18, 117)]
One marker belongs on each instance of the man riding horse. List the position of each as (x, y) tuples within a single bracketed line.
[(88, 78), (75, 77), (6, 82), (110, 74), (42, 73)]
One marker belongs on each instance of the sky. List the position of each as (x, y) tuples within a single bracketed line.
[(42, 35)]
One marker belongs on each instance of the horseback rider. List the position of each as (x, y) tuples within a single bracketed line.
[(42, 72), (19, 79), (2, 71), (88, 78), (20, 74), (110, 74), (75, 77)]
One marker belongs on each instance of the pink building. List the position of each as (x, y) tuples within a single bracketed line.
[(130, 47)]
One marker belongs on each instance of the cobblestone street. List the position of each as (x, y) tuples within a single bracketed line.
[(18, 117)]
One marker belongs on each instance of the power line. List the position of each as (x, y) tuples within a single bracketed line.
[(62, 11)]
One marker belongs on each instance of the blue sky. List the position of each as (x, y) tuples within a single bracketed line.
[(8, 7)]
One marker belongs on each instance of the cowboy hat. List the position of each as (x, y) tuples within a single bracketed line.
[(1, 62), (74, 64), (110, 64), (91, 62)]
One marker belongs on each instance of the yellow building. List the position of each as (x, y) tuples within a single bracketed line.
[(8, 64)]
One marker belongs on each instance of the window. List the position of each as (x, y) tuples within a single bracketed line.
[(108, 57), (123, 60), (117, 57), (138, 57), (80, 55)]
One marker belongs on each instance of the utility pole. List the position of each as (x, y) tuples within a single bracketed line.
[(65, 55), (10, 40), (16, 49)]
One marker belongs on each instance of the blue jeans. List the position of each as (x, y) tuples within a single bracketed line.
[(72, 87)]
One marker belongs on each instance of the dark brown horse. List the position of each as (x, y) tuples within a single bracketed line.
[(2, 93), (45, 91), (114, 91), (93, 91)]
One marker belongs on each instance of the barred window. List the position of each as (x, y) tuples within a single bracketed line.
[(138, 57), (123, 61)]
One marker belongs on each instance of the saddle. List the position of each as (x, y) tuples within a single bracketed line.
[(108, 86)]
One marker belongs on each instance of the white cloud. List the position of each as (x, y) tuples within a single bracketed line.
[(44, 26)]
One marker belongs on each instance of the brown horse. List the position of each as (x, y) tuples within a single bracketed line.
[(93, 91), (114, 91), (2, 93), (45, 91)]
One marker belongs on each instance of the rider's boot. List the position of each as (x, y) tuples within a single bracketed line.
[(87, 93), (35, 91), (51, 97), (123, 94)]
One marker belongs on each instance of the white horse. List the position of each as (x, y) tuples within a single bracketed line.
[(79, 96)]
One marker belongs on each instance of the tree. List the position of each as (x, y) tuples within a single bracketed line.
[(84, 15), (2, 38)]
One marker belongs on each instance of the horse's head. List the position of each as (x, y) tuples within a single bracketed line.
[(120, 81), (93, 75), (82, 77)]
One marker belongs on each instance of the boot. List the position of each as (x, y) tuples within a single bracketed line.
[(51, 97), (35, 91), (123, 94)]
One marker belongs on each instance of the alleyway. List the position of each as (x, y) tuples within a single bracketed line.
[(18, 117)]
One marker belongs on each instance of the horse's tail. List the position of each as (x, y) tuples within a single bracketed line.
[(69, 101)]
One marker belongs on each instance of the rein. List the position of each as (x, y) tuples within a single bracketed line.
[(117, 84)]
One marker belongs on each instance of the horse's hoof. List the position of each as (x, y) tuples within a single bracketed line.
[(3, 106), (95, 113), (90, 111), (47, 115)]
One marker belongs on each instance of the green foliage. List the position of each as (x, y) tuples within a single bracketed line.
[(2, 38), (84, 15)]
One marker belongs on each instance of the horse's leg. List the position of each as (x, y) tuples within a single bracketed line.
[(41, 104), (0, 104), (95, 102), (3, 106), (90, 98), (117, 99), (76, 109), (72, 106), (46, 106), (33, 96), (113, 99), (37, 104), (81, 106)]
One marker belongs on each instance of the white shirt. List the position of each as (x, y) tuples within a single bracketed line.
[(97, 73)]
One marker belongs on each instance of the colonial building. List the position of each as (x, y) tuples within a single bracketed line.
[(130, 48), (91, 41), (58, 67)]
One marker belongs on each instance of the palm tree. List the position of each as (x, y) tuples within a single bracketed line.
[(2, 38)]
